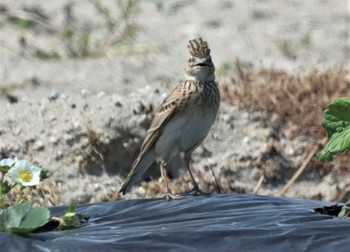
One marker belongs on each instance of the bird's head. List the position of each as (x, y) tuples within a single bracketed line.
[(199, 66)]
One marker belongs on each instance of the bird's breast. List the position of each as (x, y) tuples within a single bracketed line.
[(184, 131)]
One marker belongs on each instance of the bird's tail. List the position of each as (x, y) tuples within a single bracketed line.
[(140, 166)]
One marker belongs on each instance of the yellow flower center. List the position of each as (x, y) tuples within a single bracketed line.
[(25, 175)]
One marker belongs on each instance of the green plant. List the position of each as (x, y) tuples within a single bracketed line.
[(345, 211), (105, 13), (123, 28), (21, 174), (22, 23), (20, 217), (22, 41), (70, 219), (128, 9), (76, 42), (76, 35), (23, 217), (286, 48), (305, 40), (41, 54), (336, 121)]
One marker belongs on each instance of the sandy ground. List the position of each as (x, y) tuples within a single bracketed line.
[(113, 93)]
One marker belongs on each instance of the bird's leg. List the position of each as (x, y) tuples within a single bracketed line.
[(195, 185), (164, 172), (195, 190)]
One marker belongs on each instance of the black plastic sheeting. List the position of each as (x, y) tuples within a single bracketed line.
[(195, 223)]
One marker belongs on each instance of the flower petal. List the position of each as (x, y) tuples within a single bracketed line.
[(7, 162), (24, 173)]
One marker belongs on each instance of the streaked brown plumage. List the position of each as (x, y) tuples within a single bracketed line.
[(183, 119)]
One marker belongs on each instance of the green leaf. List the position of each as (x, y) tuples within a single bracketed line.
[(2, 219), (5, 187), (22, 218), (4, 169), (70, 209), (339, 142), (336, 121), (44, 174), (16, 213), (36, 217), (337, 116), (345, 211), (6, 164), (70, 219)]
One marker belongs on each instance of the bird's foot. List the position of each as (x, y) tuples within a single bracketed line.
[(195, 191), (170, 196)]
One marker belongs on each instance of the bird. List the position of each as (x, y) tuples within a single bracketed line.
[(182, 121)]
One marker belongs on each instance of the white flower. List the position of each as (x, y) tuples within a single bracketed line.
[(24, 173), (7, 162)]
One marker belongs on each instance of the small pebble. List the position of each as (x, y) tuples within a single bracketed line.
[(39, 146), (84, 92), (246, 139), (58, 155), (100, 94), (53, 140), (53, 95), (116, 101)]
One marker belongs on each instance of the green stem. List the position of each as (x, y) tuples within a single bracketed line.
[(2, 194), (20, 195)]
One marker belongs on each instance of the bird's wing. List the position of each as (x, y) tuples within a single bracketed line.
[(171, 105), (164, 113)]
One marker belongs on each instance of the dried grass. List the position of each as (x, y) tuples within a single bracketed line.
[(298, 99)]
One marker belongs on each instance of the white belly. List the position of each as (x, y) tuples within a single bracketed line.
[(183, 132)]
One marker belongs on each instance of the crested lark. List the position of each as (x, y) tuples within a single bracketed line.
[(183, 119)]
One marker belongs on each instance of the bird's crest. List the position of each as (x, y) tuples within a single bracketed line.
[(198, 48)]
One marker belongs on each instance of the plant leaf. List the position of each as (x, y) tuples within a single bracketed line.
[(4, 169), (71, 208), (339, 142), (22, 218), (336, 121), (5, 187), (5, 164), (36, 217), (337, 116), (70, 219), (345, 211), (16, 214), (44, 174), (2, 219)]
